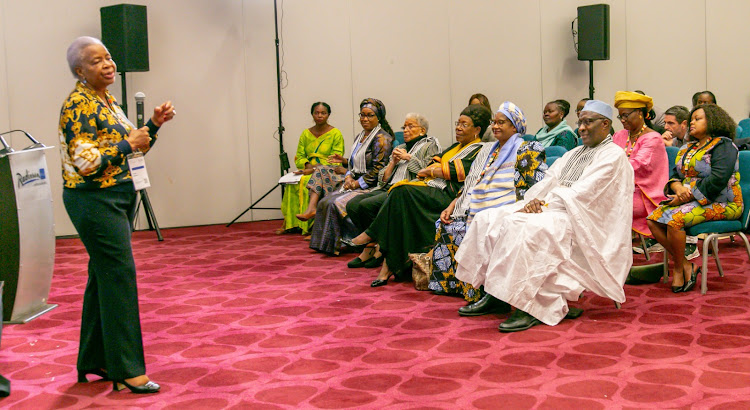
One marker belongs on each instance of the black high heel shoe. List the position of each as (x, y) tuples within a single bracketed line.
[(99, 372), (353, 246), (380, 282), (149, 387), (689, 285)]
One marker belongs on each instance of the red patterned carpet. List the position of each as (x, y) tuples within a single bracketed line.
[(242, 318)]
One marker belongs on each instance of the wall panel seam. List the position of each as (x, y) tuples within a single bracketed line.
[(247, 109)]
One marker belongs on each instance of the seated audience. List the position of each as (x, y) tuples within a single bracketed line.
[(676, 127), (406, 160), (646, 153), (703, 97), (556, 131), (315, 145), (512, 166), (483, 100), (570, 233), (405, 222), (369, 155), (704, 186)]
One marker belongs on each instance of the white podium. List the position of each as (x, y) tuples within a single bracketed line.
[(27, 236)]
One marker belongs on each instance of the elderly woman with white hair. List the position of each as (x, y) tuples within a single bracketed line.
[(406, 160), (96, 139)]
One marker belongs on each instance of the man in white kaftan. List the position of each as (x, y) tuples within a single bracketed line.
[(573, 232)]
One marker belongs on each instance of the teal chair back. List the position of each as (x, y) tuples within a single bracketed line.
[(529, 137), (555, 151), (398, 138), (745, 187), (672, 155), (551, 160), (745, 126)]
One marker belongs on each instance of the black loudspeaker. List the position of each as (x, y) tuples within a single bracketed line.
[(125, 33), (593, 32)]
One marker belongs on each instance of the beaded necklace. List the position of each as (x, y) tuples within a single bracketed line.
[(692, 150), (629, 148)]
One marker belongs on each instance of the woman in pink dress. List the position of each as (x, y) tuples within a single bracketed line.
[(646, 153)]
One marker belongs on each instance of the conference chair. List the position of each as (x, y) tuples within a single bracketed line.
[(745, 126), (714, 230), (398, 138), (555, 151), (672, 156), (529, 137)]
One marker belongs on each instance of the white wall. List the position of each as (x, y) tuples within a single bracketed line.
[(216, 61)]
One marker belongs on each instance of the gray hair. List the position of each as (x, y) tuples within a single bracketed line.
[(421, 120), (75, 51)]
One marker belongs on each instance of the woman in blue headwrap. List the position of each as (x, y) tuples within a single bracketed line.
[(512, 167), (370, 153)]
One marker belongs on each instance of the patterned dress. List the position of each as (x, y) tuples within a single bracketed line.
[(530, 166), (313, 150), (710, 169), (329, 222)]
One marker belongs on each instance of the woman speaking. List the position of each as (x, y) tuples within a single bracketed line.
[(95, 140)]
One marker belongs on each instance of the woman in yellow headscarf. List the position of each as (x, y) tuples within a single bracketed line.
[(646, 153)]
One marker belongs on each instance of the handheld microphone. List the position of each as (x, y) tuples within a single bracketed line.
[(139, 97)]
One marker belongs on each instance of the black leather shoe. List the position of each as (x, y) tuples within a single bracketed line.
[(374, 262), (573, 313), (356, 263), (486, 305), (380, 282), (353, 246), (689, 285), (149, 387), (519, 321)]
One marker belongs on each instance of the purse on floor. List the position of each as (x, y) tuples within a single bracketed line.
[(421, 269)]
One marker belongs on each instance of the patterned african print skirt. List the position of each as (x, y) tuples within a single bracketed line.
[(693, 213), (332, 224), (325, 180), (448, 238)]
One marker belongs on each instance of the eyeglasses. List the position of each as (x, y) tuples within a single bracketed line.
[(368, 116), (587, 122), (499, 123), (409, 126), (624, 117), (463, 125)]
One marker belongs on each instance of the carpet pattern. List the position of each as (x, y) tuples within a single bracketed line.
[(242, 318)]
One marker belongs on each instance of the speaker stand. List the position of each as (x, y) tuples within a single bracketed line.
[(283, 157), (591, 79), (124, 101), (153, 225), (150, 215)]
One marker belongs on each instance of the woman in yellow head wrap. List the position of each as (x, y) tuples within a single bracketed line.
[(646, 153)]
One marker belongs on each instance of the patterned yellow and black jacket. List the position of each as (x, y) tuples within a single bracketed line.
[(92, 141)]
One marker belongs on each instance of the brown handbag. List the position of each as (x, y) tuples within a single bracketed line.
[(421, 269)]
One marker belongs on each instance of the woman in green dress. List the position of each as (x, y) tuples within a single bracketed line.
[(315, 145)]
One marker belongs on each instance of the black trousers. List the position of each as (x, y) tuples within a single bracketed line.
[(110, 323), (363, 209)]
